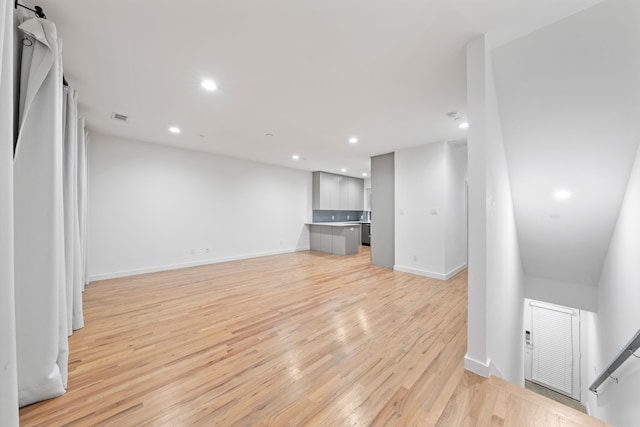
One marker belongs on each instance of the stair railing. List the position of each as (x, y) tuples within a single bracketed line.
[(628, 351)]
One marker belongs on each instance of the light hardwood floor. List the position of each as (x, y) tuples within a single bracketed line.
[(298, 339)]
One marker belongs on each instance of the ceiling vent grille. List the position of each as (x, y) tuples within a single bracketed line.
[(118, 116)]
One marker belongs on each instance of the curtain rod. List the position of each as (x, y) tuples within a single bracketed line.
[(38, 10)]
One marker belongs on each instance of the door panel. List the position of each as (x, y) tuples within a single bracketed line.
[(555, 348)]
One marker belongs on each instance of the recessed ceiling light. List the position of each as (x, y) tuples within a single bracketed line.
[(364, 174), (295, 157), (561, 194), (174, 129), (353, 140), (343, 170), (209, 85), (463, 125)]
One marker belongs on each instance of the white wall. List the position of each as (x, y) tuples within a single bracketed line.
[(618, 317), (455, 207), (430, 226), (568, 294), (496, 290), (505, 283), (150, 206), (419, 188)]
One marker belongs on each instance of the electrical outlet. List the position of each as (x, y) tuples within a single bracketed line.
[(193, 251), (434, 211), (415, 258), (206, 250), (332, 217)]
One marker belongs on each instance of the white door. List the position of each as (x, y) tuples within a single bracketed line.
[(554, 348)]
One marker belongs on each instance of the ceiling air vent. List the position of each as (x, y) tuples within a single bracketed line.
[(118, 116)]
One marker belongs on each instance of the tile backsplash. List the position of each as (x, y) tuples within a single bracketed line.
[(340, 216)]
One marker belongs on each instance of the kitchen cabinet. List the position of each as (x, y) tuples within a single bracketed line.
[(356, 194), (326, 191), (343, 193), (326, 239), (337, 192), (337, 238)]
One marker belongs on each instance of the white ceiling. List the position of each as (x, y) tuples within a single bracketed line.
[(311, 73), (315, 73), (569, 98)]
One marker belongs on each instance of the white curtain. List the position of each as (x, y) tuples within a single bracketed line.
[(72, 242), (49, 181), (8, 366), (83, 140)]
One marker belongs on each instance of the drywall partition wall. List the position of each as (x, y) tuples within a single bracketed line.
[(383, 210), (505, 282), (496, 291), (153, 207), (430, 228), (420, 210), (455, 206), (476, 359), (618, 317), (568, 294), (8, 363)]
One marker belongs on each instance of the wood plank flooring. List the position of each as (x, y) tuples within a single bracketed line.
[(305, 338)]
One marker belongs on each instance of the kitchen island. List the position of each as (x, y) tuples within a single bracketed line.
[(340, 238)]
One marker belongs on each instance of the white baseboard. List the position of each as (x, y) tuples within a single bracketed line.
[(455, 271), (425, 273), (494, 370), (133, 272), (481, 368), (419, 272)]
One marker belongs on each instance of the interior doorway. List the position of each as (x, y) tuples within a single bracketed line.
[(552, 347)]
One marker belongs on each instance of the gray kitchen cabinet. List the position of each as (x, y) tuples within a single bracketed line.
[(346, 240), (339, 246), (343, 193), (337, 192), (326, 238), (315, 241), (326, 191), (356, 194), (343, 239)]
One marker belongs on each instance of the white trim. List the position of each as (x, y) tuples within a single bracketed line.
[(455, 271), (480, 368), (588, 408), (430, 274), (418, 272), (553, 307), (117, 274), (494, 370)]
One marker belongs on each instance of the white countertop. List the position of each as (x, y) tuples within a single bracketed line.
[(338, 224)]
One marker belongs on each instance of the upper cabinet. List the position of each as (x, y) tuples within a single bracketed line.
[(356, 194), (337, 192)]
